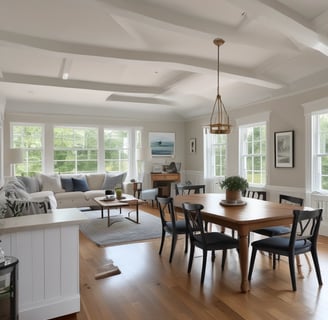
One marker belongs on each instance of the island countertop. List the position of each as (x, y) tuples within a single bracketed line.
[(35, 221)]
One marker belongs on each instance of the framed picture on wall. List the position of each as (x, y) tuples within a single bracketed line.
[(284, 149), (162, 144), (192, 145)]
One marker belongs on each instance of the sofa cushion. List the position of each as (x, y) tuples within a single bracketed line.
[(51, 183), (113, 180), (95, 180), (70, 195), (80, 184), (91, 194), (67, 183), (31, 184)]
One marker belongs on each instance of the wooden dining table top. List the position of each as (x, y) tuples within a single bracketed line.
[(254, 211)]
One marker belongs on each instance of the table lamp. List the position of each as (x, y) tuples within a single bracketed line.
[(16, 156)]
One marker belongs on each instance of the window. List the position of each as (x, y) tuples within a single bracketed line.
[(253, 143), (215, 154), (75, 150), (116, 144), (320, 151), (29, 138)]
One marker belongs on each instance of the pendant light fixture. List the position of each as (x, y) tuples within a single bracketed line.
[(219, 122)]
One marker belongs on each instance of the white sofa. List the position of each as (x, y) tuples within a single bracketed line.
[(60, 191)]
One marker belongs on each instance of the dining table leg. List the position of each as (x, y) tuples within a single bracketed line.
[(243, 259)]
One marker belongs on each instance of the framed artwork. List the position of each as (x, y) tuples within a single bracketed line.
[(192, 145), (162, 144), (284, 149)]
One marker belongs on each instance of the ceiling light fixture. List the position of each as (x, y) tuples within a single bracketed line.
[(219, 122)]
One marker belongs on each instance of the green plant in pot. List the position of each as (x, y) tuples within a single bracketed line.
[(233, 186)]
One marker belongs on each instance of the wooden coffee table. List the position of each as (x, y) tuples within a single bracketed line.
[(125, 201)]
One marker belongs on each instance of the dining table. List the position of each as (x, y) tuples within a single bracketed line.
[(244, 216)]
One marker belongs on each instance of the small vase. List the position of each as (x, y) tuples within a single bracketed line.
[(118, 193), (233, 196)]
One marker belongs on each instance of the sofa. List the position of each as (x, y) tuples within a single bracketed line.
[(55, 191)]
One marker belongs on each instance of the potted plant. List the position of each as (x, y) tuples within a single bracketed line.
[(234, 185)]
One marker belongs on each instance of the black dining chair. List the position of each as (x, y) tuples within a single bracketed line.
[(207, 241), (171, 225), (255, 194), (189, 188), (279, 230), (302, 239), (282, 230)]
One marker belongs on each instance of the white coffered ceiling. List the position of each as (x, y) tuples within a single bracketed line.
[(157, 56)]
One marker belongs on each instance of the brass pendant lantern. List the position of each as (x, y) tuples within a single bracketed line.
[(219, 122)]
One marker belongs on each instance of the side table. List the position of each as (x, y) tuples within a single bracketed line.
[(8, 288), (137, 188)]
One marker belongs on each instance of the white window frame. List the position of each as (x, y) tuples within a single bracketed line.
[(25, 150), (311, 109), (48, 144), (252, 121), (209, 155), (76, 149), (315, 152)]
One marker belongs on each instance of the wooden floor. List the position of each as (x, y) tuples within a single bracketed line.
[(149, 287)]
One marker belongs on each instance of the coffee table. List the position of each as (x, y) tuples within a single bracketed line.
[(124, 201)]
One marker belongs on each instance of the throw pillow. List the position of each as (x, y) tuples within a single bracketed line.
[(15, 189), (31, 184), (67, 183), (16, 184), (80, 184), (113, 180), (95, 180), (51, 183)]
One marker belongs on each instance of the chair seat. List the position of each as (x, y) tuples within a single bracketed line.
[(180, 226), (149, 194), (214, 240), (273, 231), (280, 245)]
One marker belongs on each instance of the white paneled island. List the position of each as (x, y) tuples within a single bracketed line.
[(47, 246)]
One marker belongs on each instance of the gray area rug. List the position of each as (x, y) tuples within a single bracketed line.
[(121, 230)]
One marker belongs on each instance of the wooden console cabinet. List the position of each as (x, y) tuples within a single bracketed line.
[(163, 181)]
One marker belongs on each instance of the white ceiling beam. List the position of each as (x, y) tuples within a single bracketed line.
[(192, 64), (170, 20), (77, 84), (286, 21), (65, 68), (133, 99)]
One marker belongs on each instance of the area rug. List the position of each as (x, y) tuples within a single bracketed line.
[(121, 229)]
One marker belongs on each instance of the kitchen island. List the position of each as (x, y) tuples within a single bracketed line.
[(47, 247)]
